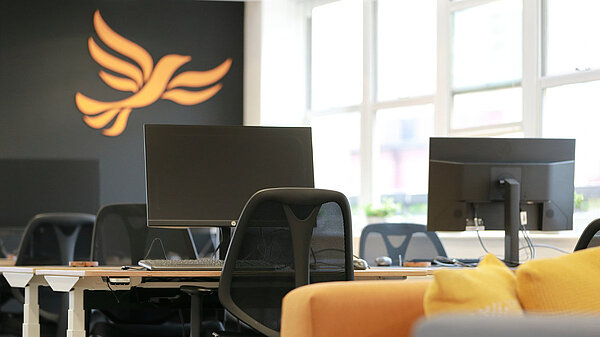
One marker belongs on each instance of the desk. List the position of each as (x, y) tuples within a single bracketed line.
[(7, 261), (75, 280), (391, 273)]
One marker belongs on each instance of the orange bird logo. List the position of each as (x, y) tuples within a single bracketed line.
[(147, 82)]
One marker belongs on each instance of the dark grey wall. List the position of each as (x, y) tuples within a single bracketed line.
[(44, 61)]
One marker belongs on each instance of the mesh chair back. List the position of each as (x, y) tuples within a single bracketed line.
[(411, 241), (121, 237), (590, 236), (55, 239), (285, 238)]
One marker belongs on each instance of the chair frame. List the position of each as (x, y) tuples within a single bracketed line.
[(588, 233), (398, 228), (302, 231), (67, 252)]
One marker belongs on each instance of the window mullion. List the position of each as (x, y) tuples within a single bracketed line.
[(366, 110), (443, 98), (532, 92)]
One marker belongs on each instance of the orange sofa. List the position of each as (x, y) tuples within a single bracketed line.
[(558, 289), (358, 308)]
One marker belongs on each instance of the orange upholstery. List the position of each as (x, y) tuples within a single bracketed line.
[(357, 308)]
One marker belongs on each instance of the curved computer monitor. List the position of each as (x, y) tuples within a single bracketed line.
[(470, 181), (202, 176)]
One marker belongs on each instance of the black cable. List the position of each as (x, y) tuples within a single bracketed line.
[(529, 242), (112, 291), (133, 268)]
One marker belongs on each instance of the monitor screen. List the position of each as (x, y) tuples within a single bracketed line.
[(465, 177), (33, 186), (203, 175)]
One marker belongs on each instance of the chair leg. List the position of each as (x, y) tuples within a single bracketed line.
[(196, 314)]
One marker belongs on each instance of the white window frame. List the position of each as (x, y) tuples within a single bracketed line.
[(369, 105), (533, 83)]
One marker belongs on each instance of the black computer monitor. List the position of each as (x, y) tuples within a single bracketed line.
[(202, 176), (498, 182), (33, 186)]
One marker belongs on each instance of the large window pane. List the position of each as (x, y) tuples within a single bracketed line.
[(487, 108), (406, 48), (573, 111), (336, 144), (572, 29), (487, 44), (402, 155), (336, 62)]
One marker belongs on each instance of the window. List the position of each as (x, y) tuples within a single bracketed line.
[(571, 28), (568, 91), (373, 79), (388, 74), (336, 66), (486, 67)]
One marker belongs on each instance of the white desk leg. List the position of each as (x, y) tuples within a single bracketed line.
[(31, 312), (76, 323)]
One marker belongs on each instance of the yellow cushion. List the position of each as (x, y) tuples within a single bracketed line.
[(568, 283), (489, 289)]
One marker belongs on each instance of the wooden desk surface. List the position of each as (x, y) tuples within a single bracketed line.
[(372, 273), (117, 271), (7, 262), (392, 272)]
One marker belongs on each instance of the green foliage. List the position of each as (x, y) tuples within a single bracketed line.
[(578, 201), (387, 208), (417, 208)]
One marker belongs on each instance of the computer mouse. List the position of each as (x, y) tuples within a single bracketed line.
[(383, 261), (360, 264)]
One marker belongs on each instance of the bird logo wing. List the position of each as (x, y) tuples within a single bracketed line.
[(147, 82)]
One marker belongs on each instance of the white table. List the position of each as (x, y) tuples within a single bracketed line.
[(75, 280)]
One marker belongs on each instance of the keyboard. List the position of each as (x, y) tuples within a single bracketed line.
[(458, 262), (203, 263)]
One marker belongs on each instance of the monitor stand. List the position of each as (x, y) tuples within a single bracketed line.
[(224, 241), (512, 199)]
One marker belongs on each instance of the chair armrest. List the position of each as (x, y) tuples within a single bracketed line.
[(355, 308)]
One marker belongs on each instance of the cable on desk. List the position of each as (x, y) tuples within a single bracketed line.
[(529, 242), (132, 268), (540, 245), (152, 244)]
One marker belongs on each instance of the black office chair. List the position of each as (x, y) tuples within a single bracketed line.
[(121, 238), (285, 238), (54, 239), (411, 241), (590, 236)]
